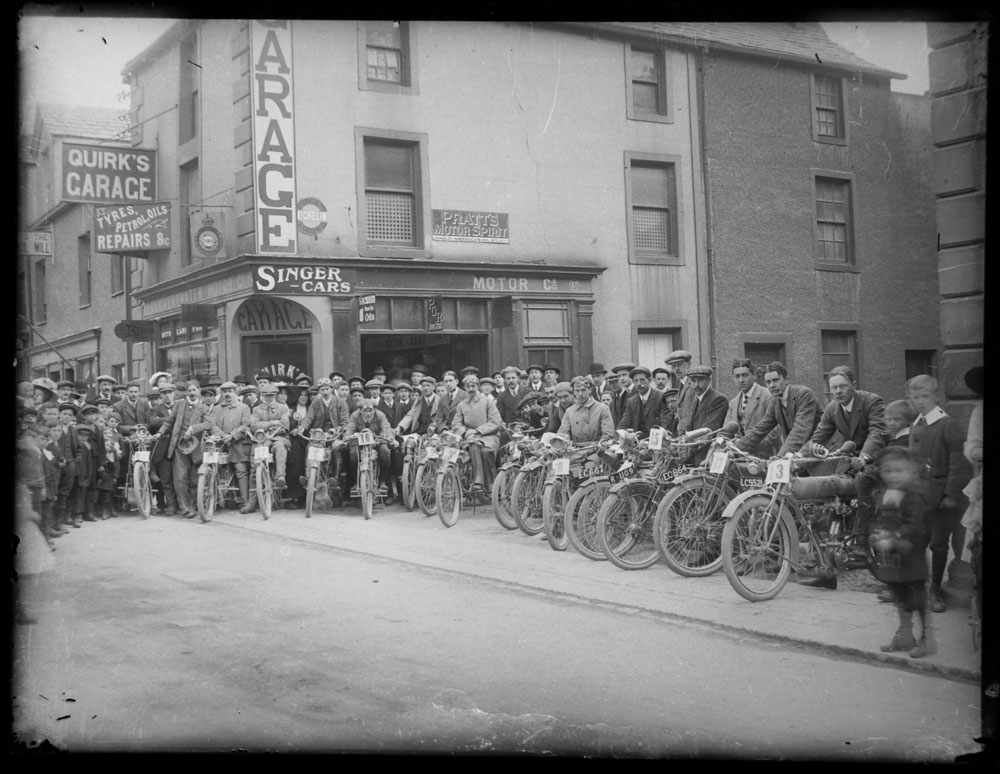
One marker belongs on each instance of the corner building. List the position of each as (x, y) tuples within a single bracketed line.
[(353, 194)]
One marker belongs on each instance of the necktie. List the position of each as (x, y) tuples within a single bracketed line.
[(921, 422), (743, 405)]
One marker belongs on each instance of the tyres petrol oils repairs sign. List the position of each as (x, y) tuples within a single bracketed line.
[(130, 228)]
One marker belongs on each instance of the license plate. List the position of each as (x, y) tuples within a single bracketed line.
[(719, 461), (622, 474), (449, 454), (779, 472), (211, 458), (262, 453), (751, 483), (560, 466), (141, 456), (316, 454)]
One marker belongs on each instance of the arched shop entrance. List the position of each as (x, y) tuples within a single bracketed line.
[(275, 335)]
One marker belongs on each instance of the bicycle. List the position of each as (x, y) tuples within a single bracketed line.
[(687, 527), (764, 527), (455, 489), (263, 459), (323, 445), (570, 467), (625, 521), (216, 477), (137, 479)]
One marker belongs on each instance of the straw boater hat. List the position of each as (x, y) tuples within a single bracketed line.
[(157, 375)]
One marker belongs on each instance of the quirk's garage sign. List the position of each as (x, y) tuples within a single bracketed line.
[(102, 175)]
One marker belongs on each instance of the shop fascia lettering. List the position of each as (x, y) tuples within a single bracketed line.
[(94, 174), (310, 279), (273, 136)]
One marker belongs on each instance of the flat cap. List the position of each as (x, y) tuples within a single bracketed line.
[(510, 370), (269, 389), (640, 370), (247, 389), (404, 386), (670, 391), (700, 370), (469, 370), (324, 382), (366, 403), (104, 378), (333, 374), (356, 379), (84, 427), (677, 356), (67, 406), (90, 408), (487, 380), (228, 386), (626, 367), (65, 383), (303, 379), (564, 387), (387, 386), (358, 389), (660, 370), (373, 383), (532, 397), (168, 387), (102, 402), (429, 379)]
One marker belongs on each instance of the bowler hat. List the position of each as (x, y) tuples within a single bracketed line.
[(640, 370), (65, 383), (469, 370), (418, 369), (552, 367), (598, 368), (700, 370), (241, 379), (677, 356), (356, 379), (378, 370), (335, 373), (535, 367)]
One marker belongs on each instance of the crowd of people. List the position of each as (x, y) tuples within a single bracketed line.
[(919, 471)]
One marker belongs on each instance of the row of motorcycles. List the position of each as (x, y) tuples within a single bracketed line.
[(633, 501)]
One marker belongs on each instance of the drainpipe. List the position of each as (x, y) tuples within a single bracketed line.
[(707, 188)]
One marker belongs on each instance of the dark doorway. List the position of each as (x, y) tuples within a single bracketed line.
[(439, 352), (285, 357)]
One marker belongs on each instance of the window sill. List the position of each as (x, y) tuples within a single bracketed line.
[(117, 293), (87, 305), (850, 268), (658, 118), (388, 251), (387, 87), (829, 140), (654, 259)]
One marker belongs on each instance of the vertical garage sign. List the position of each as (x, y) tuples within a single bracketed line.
[(273, 136)]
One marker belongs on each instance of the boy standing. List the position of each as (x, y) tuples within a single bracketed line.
[(937, 440)]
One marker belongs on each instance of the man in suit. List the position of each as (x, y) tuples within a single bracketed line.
[(708, 407), (598, 377), (794, 410), (186, 414), (749, 405), (625, 390), (133, 410), (679, 363), (453, 393), (642, 410), (853, 415), (161, 469), (394, 412), (427, 414), (511, 394)]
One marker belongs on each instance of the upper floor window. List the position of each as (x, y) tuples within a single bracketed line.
[(39, 309), (189, 195), (651, 200), (834, 224), (83, 262), (187, 103), (118, 269), (828, 109), (386, 60), (392, 193), (648, 84)]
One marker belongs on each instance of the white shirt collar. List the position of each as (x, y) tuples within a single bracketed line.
[(849, 405), (902, 433), (933, 415)]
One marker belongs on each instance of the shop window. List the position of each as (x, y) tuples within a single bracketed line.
[(828, 109), (408, 314), (386, 57), (834, 224), (647, 84), (838, 347), (83, 263), (651, 208), (392, 192), (921, 361), (189, 351), (546, 323), (472, 314), (39, 308)]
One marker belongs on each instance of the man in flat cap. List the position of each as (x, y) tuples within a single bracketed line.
[(708, 407), (105, 384), (642, 410), (367, 417), (394, 412), (661, 378), (427, 413), (625, 389), (271, 416), (240, 381), (161, 469), (231, 417), (373, 389), (535, 382), (678, 363), (477, 418), (249, 395), (510, 395), (64, 389)]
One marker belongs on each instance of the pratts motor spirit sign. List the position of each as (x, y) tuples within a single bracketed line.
[(273, 136), (102, 175)]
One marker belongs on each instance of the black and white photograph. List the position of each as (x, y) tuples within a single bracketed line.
[(599, 388)]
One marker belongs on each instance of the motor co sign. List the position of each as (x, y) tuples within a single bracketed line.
[(273, 137), (101, 175)]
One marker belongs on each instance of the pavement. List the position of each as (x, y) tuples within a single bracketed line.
[(849, 622)]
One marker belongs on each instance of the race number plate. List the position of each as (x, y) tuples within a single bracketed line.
[(365, 438), (560, 466), (211, 458), (261, 453), (316, 454), (622, 473), (449, 454), (516, 454), (656, 438), (719, 461), (141, 456), (431, 453), (779, 472)]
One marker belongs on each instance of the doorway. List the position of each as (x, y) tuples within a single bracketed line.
[(439, 352), (285, 357)]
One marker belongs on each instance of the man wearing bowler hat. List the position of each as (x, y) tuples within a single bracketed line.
[(599, 380), (643, 409), (550, 374)]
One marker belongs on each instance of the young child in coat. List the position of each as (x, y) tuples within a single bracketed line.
[(899, 539), (52, 463), (107, 479)]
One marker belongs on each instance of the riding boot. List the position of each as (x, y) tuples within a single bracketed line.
[(249, 496), (171, 497), (927, 644), (903, 638), (478, 476)]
